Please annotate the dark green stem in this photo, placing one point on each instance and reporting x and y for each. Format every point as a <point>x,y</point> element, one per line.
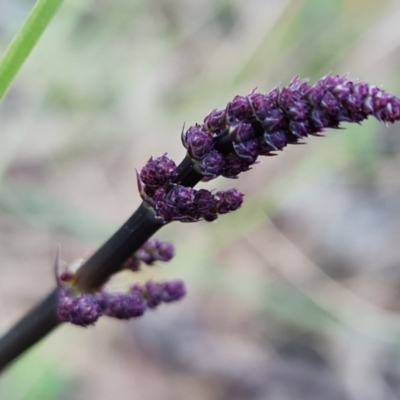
<point>93,273</point>
<point>29,330</point>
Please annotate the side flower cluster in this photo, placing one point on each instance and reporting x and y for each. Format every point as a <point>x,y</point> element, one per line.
<point>85,309</point>
<point>174,202</point>
<point>152,251</point>
<point>230,140</point>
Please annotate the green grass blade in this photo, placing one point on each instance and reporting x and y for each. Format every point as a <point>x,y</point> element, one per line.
<point>25,40</point>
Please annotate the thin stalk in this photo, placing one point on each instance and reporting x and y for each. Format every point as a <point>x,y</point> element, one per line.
<point>93,273</point>
<point>25,40</point>
<point>30,329</point>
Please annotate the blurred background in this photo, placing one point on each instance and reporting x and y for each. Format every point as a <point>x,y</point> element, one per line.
<point>295,296</point>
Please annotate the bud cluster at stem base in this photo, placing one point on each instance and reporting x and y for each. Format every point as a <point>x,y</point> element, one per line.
<point>85,309</point>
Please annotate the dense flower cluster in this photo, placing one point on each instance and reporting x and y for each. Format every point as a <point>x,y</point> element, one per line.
<point>156,293</point>
<point>152,251</point>
<point>174,202</point>
<point>185,204</point>
<point>260,124</point>
<point>80,310</point>
<point>86,309</point>
<point>227,143</point>
<point>158,173</point>
<point>254,125</point>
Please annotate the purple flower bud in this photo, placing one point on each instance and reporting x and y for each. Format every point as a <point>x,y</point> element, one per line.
<point>158,172</point>
<point>181,197</point>
<point>299,129</point>
<point>234,165</point>
<point>274,120</point>
<point>330,104</point>
<point>212,164</point>
<point>173,291</point>
<point>123,306</point>
<point>316,94</point>
<point>321,120</point>
<point>300,86</point>
<point>261,105</point>
<point>197,141</point>
<point>248,151</point>
<point>82,310</point>
<point>176,204</point>
<point>215,121</point>
<point>241,132</point>
<point>153,294</point>
<point>204,202</point>
<point>239,109</point>
<point>273,142</point>
<point>166,292</point>
<point>186,205</point>
<point>228,201</point>
<point>158,194</point>
<point>298,111</point>
<point>156,250</point>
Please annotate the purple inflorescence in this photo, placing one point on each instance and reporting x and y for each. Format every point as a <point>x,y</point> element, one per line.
<point>205,203</point>
<point>173,291</point>
<point>198,141</point>
<point>86,309</point>
<point>156,250</point>
<point>82,310</point>
<point>234,165</point>
<point>162,292</point>
<point>189,205</point>
<point>239,109</point>
<point>260,124</point>
<point>226,144</point>
<point>176,204</point>
<point>122,305</point>
<point>153,250</point>
<point>212,164</point>
<point>158,172</point>
<point>228,201</point>
<point>216,121</point>
<point>231,140</point>
<point>153,294</point>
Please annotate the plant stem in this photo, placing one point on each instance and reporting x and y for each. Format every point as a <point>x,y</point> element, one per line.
<point>30,329</point>
<point>105,262</point>
<point>94,272</point>
<point>26,39</point>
